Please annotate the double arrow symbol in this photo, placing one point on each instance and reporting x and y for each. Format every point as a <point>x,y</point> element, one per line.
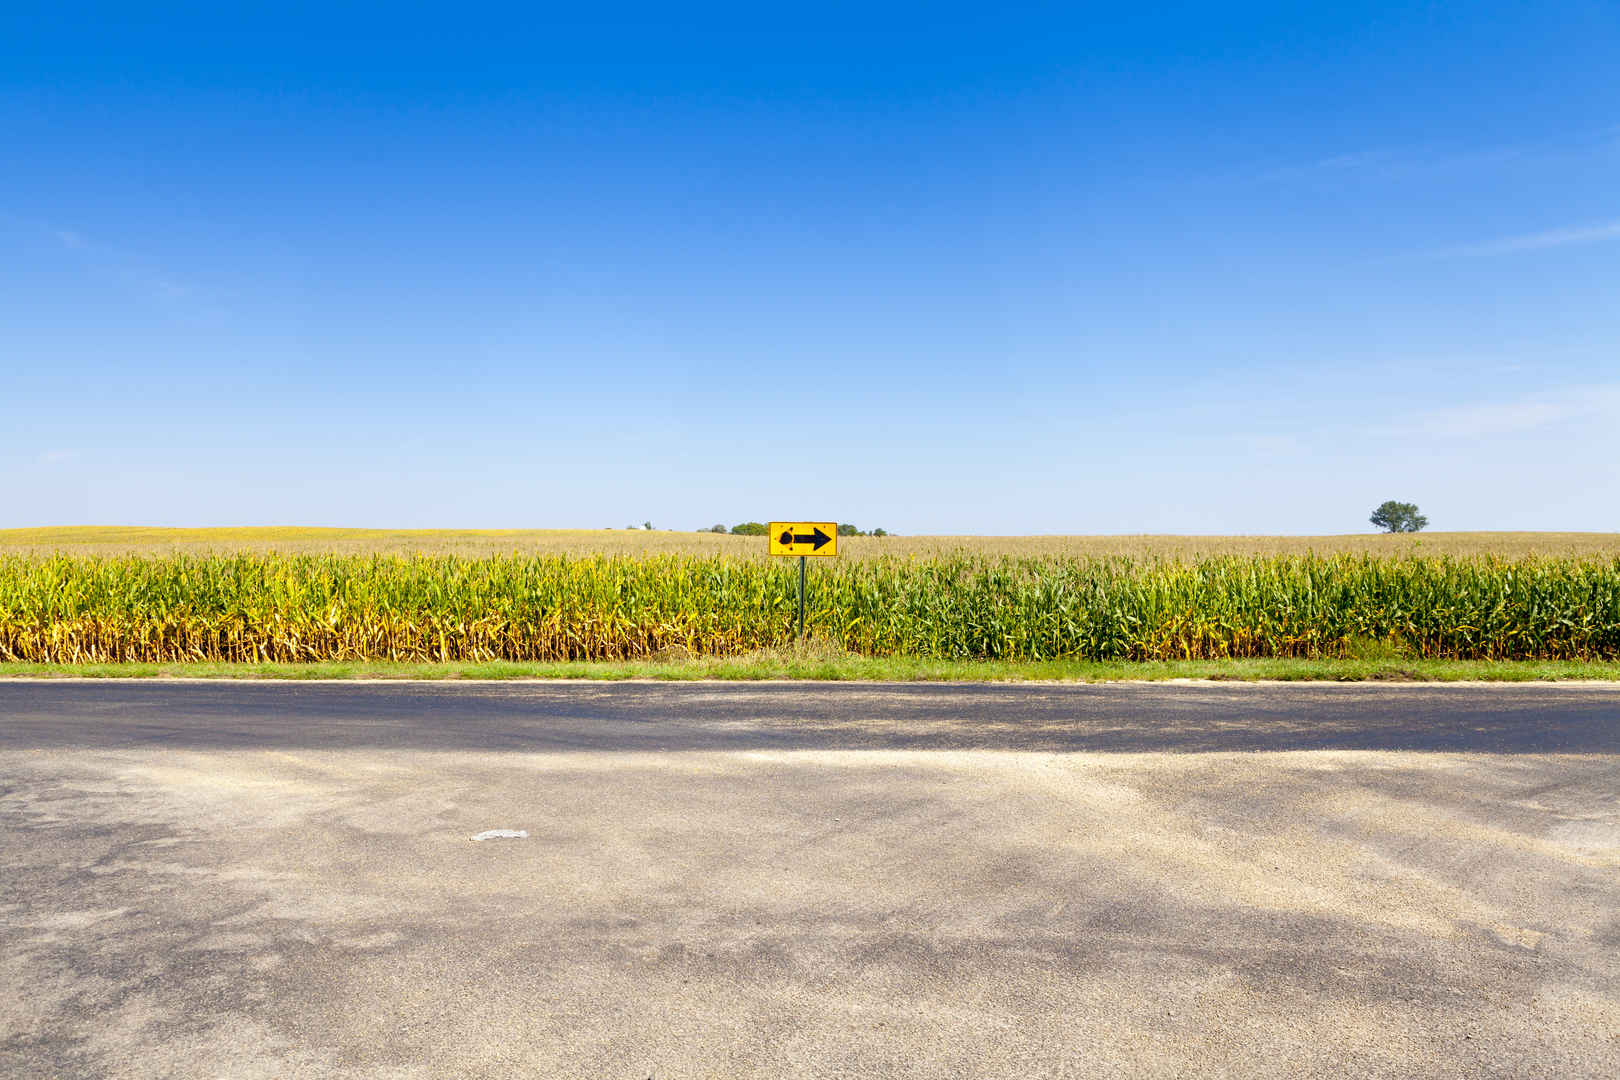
<point>814,539</point>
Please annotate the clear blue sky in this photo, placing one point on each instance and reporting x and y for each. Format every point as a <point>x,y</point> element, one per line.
<point>984,268</point>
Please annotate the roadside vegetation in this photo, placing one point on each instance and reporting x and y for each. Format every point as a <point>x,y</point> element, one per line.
<point>684,608</point>
<point>824,664</point>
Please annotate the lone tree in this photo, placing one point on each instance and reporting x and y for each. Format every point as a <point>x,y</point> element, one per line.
<point>1398,517</point>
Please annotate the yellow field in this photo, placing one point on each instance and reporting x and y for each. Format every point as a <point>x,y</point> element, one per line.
<point>98,540</point>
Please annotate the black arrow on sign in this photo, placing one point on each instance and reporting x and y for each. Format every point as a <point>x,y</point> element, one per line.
<point>815,539</point>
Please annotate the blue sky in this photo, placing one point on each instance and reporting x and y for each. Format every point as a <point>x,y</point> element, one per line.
<point>1192,268</point>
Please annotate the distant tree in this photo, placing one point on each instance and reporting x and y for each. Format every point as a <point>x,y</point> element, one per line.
<point>846,529</point>
<point>1398,517</point>
<point>748,528</point>
<point>879,532</point>
<point>630,527</point>
<point>717,528</point>
<point>647,525</point>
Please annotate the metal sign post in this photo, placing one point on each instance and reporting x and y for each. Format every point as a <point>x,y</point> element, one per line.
<point>803,539</point>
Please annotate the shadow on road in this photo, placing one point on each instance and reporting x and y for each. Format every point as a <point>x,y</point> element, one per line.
<point>823,716</point>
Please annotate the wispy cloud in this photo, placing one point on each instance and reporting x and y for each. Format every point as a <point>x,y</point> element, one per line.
<point>1338,163</point>
<point>56,457</point>
<point>1269,445</point>
<point>1531,412</point>
<point>1391,164</point>
<point>1538,241</point>
<point>1394,163</point>
<point>135,271</point>
<point>168,288</point>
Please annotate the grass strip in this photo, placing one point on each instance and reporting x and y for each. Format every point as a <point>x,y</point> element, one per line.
<point>786,665</point>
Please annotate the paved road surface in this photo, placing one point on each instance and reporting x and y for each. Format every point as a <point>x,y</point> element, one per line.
<point>277,880</point>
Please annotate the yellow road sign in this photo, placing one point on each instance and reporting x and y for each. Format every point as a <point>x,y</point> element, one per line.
<point>804,538</point>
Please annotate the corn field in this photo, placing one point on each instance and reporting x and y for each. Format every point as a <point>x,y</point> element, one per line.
<point>271,607</point>
<point>149,542</point>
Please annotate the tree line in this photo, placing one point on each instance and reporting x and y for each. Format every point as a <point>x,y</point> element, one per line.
<point>757,528</point>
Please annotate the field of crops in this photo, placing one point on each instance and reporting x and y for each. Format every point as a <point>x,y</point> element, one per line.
<point>350,607</point>
<point>638,543</point>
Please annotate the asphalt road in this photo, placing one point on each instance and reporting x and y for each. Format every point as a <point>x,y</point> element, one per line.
<point>773,880</point>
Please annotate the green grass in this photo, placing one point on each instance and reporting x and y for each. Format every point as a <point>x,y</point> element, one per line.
<point>788,665</point>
